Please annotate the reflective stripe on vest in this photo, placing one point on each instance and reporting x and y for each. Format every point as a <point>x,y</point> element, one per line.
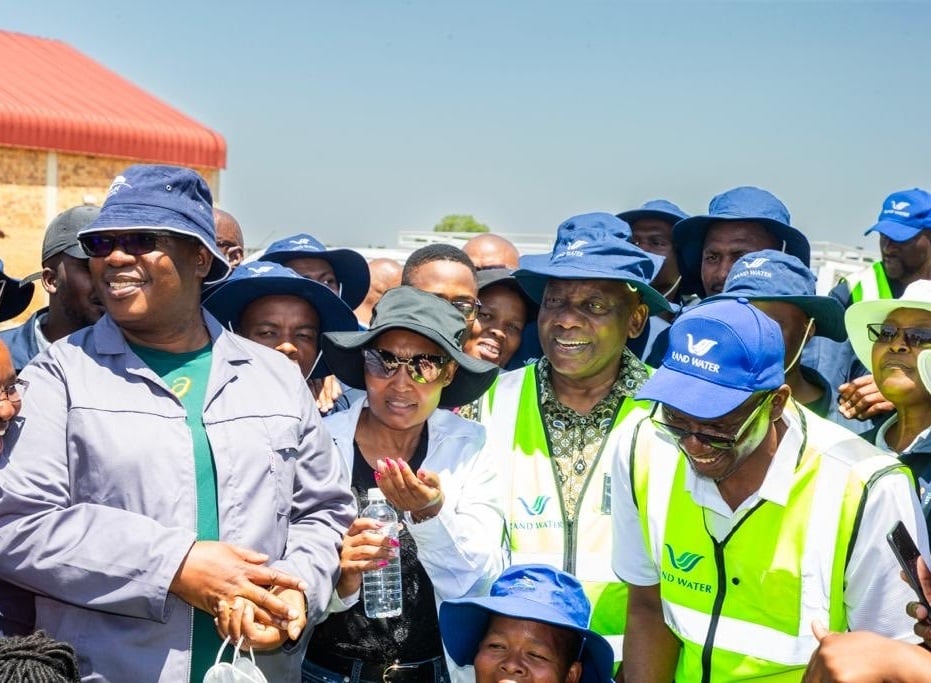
<point>536,522</point>
<point>869,284</point>
<point>743,607</point>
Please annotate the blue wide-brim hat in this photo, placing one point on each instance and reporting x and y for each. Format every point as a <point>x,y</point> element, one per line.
<point>770,275</point>
<point>720,353</point>
<point>16,294</point>
<point>168,198</point>
<point>660,209</point>
<point>257,279</point>
<point>740,204</point>
<point>904,215</point>
<point>350,267</point>
<point>536,592</point>
<point>590,247</point>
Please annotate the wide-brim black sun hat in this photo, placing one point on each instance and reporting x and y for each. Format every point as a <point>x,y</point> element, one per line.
<point>408,308</point>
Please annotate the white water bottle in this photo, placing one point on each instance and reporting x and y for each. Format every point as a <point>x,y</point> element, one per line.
<point>381,588</point>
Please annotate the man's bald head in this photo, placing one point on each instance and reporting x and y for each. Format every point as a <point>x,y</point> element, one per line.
<point>385,274</point>
<point>491,251</point>
<point>229,236</point>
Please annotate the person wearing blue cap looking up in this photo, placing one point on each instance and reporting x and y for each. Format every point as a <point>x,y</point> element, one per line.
<point>904,227</point>
<point>171,483</point>
<point>534,627</point>
<point>741,518</point>
<point>784,289</point>
<point>553,423</point>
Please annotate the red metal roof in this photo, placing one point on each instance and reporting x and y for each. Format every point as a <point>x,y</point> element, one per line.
<point>53,97</point>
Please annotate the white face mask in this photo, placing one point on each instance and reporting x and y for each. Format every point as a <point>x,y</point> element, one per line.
<point>241,670</point>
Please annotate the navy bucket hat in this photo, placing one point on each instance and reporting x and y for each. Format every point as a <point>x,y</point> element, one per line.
<point>660,209</point>
<point>423,313</point>
<point>770,275</point>
<point>168,198</point>
<point>592,247</point>
<point>502,277</point>
<point>904,215</point>
<point>739,204</point>
<point>536,592</point>
<point>350,267</point>
<point>15,294</point>
<point>720,353</point>
<point>257,279</point>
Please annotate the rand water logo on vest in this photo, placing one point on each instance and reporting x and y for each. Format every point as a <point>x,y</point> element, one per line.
<point>684,562</point>
<point>536,508</point>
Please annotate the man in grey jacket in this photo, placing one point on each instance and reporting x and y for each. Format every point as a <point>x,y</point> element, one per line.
<point>170,478</point>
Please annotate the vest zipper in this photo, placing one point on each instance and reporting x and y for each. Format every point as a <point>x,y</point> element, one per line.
<point>708,647</point>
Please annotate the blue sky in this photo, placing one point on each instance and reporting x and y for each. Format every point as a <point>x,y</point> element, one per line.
<point>353,119</point>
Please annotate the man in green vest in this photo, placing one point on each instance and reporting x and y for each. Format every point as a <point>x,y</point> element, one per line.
<point>554,420</point>
<point>904,227</point>
<point>740,517</point>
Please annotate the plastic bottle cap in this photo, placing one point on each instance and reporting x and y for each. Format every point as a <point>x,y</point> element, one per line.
<point>376,494</point>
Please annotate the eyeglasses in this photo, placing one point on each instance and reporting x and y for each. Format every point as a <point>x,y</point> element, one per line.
<point>885,333</point>
<point>423,368</point>
<point>715,441</point>
<point>14,392</point>
<point>135,243</point>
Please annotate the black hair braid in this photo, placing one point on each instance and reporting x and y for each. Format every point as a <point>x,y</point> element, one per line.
<point>36,658</point>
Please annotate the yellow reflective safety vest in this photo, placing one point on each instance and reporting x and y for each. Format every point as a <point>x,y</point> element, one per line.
<point>743,606</point>
<point>869,284</point>
<point>536,522</point>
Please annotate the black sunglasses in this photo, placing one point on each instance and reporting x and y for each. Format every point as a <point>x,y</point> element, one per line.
<point>136,243</point>
<point>886,333</point>
<point>715,441</point>
<point>423,368</point>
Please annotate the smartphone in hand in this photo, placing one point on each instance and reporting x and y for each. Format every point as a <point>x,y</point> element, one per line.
<point>906,552</point>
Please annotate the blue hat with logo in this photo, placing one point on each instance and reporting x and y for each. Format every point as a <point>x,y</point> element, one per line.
<point>720,353</point>
<point>168,198</point>
<point>15,294</point>
<point>660,209</point>
<point>770,275</point>
<point>252,281</point>
<point>904,215</point>
<point>536,592</point>
<point>740,204</point>
<point>350,267</point>
<point>591,247</point>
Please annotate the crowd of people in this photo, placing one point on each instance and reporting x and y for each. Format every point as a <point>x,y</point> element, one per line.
<point>654,453</point>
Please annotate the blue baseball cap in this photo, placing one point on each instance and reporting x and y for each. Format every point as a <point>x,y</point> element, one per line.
<point>770,275</point>
<point>660,209</point>
<point>15,294</point>
<point>739,204</point>
<point>904,215</point>
<point>168,198</point>
<point>350,267</point>
<point>720,353</point>
<point>536,592</point>
<point>254,280</point>
<point>592,247</point>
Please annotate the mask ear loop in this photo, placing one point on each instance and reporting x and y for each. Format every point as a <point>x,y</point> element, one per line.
<point>672,287</point>
<point>801,347</point>
<point>314,366</point>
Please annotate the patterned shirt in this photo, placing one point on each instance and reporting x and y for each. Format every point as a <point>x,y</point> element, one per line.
<point>575,439</point>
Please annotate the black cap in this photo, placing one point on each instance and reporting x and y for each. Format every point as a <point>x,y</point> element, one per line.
<point>61,235</point>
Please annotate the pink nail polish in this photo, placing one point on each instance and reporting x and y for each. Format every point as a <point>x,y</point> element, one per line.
<point>377,476</point>
<point>382,564</point>
<point>394,542</point>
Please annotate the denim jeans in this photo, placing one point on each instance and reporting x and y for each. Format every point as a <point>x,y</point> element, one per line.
<point>312,673</point>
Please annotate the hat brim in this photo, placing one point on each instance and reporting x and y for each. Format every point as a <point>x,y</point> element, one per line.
<point>16,296</point>
<point>463,623</point>
<point>827,312</point>
<point>536,270</point>
<point>691,395</point>
<point>639,214</point>
<point>228,301</point>
<point>342,354</point>
<point>350,268</point>
<point>504,278</point>
<point>894,230</point>
<point>132,217</point>
<point>862,313</point>
<point>924,368</point>
<point>688,237</point>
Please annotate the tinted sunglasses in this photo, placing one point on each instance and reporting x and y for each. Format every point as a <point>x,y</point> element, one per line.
<point>886,333</point>
<point>423,368</point>
<point>715,441</point>
<point>136,243</point>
